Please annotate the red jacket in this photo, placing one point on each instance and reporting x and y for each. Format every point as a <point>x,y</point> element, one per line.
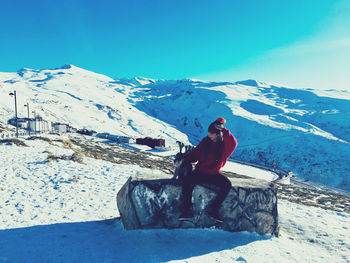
<point>209,164</point>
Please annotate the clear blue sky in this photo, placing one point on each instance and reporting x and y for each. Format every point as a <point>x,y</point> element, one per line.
<point>293,42</point>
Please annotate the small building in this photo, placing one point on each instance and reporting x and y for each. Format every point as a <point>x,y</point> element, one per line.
<point>119,139</point>
<point>61,127</point>
<point>151,142</point>
<point>33,126</point>
<point>21,122</point>
<point>37,124</point>
<point>124,139</point>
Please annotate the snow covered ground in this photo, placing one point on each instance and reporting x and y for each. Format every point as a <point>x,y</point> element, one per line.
<point>249,171</point>
<point>65,211</point>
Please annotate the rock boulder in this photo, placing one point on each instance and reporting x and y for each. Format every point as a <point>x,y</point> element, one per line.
<point>146,202</point>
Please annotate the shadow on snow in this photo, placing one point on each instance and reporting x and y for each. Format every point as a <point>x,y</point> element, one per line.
<point>107,241</point>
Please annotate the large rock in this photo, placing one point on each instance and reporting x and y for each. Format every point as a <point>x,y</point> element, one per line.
<point>146,203</point>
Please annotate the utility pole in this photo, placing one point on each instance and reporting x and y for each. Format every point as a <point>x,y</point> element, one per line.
<point>38,118</point>
<point>34,122</point>
<point>27,105</point>
<point>39,122</point>
<point>14,94</point>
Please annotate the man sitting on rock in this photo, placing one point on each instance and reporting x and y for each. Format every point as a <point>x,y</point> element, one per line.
<point>211,153</point>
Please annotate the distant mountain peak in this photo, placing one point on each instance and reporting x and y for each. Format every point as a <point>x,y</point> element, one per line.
<point>23,70</point>
<point>143,80</point>
<point>66,66</point>
<point>135,81</point>
<point>250,82</point>
<point>70,66</point>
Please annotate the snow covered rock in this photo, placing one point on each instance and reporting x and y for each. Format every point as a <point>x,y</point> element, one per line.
<point>154,202</point>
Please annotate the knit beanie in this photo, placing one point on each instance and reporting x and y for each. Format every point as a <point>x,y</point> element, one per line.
<point>217,125</point>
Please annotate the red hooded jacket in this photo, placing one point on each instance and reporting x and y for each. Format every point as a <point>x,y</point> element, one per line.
<point>209,164</point>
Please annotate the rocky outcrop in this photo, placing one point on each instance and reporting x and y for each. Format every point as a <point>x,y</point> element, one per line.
<point>146,203</point>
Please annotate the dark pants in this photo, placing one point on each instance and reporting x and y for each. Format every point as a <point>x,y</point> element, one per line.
<point>219,180</point>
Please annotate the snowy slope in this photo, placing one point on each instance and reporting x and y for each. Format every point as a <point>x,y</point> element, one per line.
<point>81,98</point>
<point>306,131</point>
<point>64,211</point>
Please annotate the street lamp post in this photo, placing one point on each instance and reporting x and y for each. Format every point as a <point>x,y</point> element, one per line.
<point>40,124</point>
<point>34,121</point>
<point>14,94</point>
<point>27,105</point>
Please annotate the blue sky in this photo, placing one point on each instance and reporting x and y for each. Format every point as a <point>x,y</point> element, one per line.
<point>299,43</point>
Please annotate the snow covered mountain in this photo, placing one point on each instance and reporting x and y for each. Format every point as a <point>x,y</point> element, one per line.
<point>305,131</point>
<point>81,98</point>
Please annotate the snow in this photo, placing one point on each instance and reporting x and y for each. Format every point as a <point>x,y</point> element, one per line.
<point>293,129</point>
<point>64,211</point>
<point>83,99</point>
<point>305,131</point>
<point>250,171</point>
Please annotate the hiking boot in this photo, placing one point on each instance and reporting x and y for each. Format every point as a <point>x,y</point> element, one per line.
<point>215,214</point>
